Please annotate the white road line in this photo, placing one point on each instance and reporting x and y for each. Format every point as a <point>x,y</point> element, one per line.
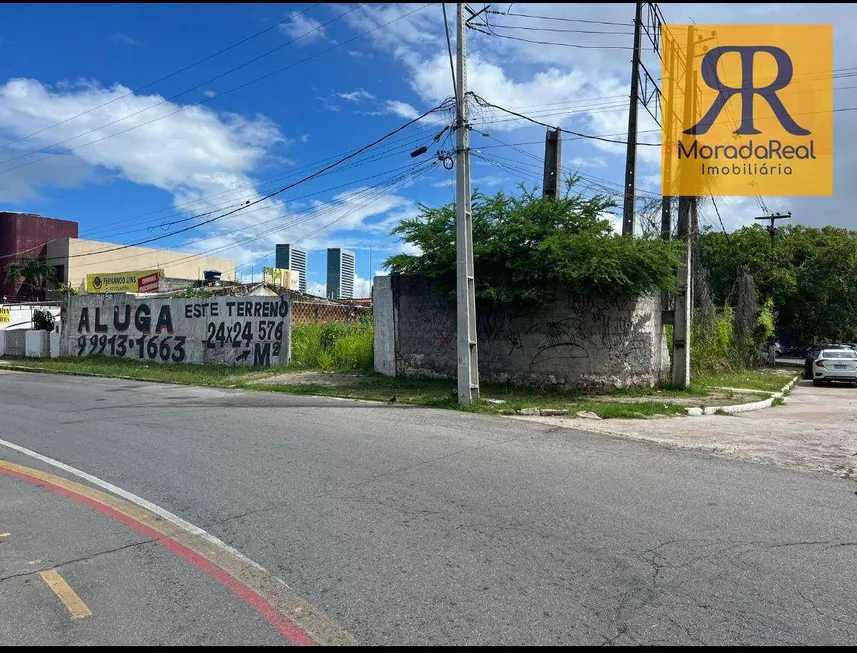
<point>133,498</point>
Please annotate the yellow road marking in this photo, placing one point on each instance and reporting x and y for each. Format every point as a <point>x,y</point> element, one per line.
<point>5,534</point>
<point>68,596</point>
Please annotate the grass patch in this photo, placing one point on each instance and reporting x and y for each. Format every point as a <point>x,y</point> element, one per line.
<point>418,392</point>
<point>217,376</point>
<point>333,346</point>
<point>441,394</point>
<point>349,352</point>
<point>749,379</point>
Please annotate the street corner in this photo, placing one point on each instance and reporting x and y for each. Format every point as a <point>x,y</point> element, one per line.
<point>81,567</point>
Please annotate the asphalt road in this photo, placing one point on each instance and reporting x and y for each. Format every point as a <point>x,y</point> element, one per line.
<point>411,526</point>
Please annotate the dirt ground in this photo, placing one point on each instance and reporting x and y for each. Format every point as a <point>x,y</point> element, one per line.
<point>815,430</point>
<point>313,378</point>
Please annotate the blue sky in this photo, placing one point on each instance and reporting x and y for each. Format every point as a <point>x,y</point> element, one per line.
<point>91,131</point>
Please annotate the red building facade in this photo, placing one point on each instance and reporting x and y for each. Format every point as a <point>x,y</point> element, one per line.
<point>27,234</point>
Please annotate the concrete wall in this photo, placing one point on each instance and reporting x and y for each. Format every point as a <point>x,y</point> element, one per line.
<point>176,265</point>
<point>20,316</point>
<point>573,342</point>
<point>37,344</point>
<point>248,331</point>
<point>15,343</point>
<point>385,326</point>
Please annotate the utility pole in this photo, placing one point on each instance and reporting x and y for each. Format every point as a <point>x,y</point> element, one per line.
<point>631,151</point>
<point>683,301</point>
<point>553,163</point>
<point>468,356</point>
<point>773,218</point>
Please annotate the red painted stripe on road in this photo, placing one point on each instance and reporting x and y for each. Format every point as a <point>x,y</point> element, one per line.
<point>287,628</point>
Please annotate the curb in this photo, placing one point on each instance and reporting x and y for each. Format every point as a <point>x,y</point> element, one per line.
<point>743,408</point>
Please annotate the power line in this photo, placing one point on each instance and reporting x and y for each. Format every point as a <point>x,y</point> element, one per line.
<point>484,102</point>
<point>449,49</point>
<point>263,198</point>
<point>563,45</point>
<point>561,19</point>
<point>165,77</point>
<point>165,223</point>
<point>560,30</point>
<point>316,212</point>
<point>232,90</point>
<point>372,193</point>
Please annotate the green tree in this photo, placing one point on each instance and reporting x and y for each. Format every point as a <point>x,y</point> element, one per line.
<point>527,249</point>
<point>810,273</point>
<point>35,273</point>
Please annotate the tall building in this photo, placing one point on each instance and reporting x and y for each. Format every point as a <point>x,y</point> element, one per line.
<point>75,260</point>
<point>340,273</point>
<point>28,234</point>
<point>289,257</point>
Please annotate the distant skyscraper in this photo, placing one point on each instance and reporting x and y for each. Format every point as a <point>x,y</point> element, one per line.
<point>340,273</point>
<point>290,257</point>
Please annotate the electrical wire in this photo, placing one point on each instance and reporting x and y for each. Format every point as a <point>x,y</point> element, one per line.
<point>561,19</point>
<point>265,197</point>
<point>449,49</point>
<point>563,45</point>
<point>484,102</point>
<point>254,189</point>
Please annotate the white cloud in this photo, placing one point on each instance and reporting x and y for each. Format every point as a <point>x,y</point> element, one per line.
<point>209,94</point>
<point>305,29</point>
<point>590,162</point>
<point>317,289</point>
<point>362,287</point>
<point>357,95</point>
<point>402,109</point>
<point>303,138</point>
<point>119,37</point>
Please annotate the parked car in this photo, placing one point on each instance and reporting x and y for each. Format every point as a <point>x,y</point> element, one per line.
<point>812,353</point>
<point>835,365</point>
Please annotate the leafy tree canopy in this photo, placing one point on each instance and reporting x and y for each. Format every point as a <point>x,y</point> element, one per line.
<point>528,249</point>
<point>809,272</point>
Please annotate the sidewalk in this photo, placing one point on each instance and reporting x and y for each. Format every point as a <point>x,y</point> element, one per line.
<point>815,430</point>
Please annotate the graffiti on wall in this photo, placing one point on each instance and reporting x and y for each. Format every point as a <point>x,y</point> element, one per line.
<point>253,332</point>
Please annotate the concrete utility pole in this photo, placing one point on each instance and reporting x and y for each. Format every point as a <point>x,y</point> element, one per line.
<point>773,218</point>
<point>683,301</point>
<point>631,150</point>
<point>553,164</point>
<point>468,355</point>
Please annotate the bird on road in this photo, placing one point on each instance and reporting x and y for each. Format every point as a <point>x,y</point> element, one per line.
<point>392,399</point>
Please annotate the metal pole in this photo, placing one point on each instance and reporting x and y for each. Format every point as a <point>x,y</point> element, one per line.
<point>468,359</point>
<point>631,151</point>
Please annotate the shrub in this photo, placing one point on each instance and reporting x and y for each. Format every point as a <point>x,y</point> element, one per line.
<point>43,320</point>
<point>334,346</point>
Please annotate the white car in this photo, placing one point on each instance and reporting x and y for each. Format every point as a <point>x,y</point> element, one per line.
<point>835,365</point>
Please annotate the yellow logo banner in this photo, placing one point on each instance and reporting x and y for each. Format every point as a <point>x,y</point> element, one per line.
<point>747,110</point>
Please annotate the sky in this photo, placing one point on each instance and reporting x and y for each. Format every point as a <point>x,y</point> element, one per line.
<point>225,129</point>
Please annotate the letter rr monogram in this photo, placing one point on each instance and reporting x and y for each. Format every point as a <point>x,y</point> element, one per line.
<point>785,70</point>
